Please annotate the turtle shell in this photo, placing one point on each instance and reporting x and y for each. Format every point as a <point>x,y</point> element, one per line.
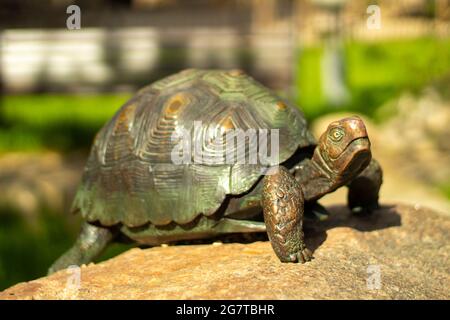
<point>130,177</point>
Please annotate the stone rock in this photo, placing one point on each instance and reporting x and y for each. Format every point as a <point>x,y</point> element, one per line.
<point>419,132</point>
<point>399,252</point>
<point>32,181</point>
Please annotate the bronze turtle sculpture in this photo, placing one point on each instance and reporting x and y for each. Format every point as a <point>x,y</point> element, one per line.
<point>133,189</point>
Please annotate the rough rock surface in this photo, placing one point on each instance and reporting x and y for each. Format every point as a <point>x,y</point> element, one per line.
<point>408,246</point>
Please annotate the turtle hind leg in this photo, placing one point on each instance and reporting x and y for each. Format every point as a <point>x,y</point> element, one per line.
<point>91,241</point>
<point>364,189</point>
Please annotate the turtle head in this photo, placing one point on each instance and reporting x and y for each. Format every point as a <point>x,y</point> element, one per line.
<point>343,150</point>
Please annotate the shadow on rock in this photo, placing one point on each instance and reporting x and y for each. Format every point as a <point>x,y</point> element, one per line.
<point>316,231</point>
<point>341,216</point>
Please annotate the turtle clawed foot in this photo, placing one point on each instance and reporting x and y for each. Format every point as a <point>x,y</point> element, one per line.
<point>301,256</point>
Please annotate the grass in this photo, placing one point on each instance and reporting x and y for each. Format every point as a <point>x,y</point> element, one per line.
<point>62,122</point>
<point>445,189</point>
<point>28,246</point>
<point>376,73</point>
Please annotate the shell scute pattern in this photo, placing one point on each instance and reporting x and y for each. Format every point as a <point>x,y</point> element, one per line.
<point>130,177</point>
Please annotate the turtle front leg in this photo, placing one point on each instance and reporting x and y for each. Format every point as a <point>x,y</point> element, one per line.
<point>283,207</point>
<point>364,189</point>
<point>90,243</point>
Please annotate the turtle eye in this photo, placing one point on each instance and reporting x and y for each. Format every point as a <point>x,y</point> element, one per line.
<point>336,134</point>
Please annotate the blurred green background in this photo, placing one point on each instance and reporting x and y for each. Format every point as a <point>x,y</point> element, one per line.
<point>59,120</point>
<point>377,73</point>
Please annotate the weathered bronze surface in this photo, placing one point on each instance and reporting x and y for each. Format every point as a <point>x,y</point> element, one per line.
<point>283,207</point>
<point>132,187</point>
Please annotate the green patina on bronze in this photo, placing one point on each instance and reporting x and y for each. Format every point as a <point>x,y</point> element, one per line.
<point>132,186</point>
